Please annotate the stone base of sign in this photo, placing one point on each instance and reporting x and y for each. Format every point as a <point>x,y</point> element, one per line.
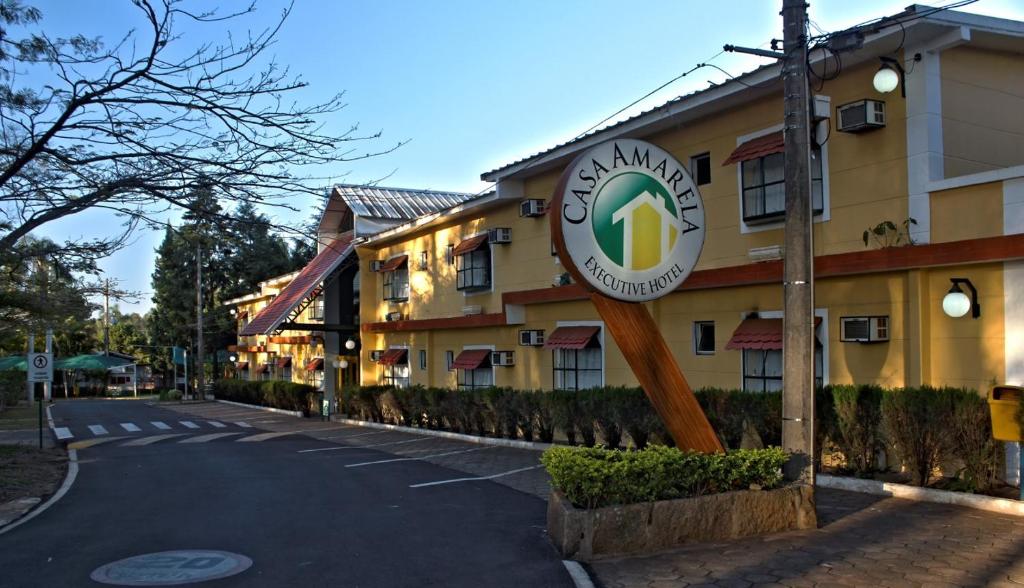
<point>585,535</point>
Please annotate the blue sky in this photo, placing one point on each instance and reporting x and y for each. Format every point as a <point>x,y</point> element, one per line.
<point>473,85</point>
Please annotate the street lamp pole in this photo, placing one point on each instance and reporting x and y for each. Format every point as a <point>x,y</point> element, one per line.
<point>200,388</point>
<point>798,272</point>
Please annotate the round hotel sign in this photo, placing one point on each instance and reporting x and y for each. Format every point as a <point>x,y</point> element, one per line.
<point>628,220</point>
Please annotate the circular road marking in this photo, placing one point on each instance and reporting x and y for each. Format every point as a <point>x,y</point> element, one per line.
<point>171,568</point>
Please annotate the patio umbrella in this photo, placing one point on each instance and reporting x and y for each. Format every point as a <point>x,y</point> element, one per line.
<point>91,362</point>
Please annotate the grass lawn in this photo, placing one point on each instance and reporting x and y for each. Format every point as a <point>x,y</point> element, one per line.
<point>22,416</point>
<point>29,471</point>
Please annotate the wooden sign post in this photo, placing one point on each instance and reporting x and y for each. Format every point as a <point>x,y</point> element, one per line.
<point>628,223</point>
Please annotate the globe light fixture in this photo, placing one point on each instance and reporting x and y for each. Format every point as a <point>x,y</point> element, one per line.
<point>957,304</point>
<point>886,79</point>
<point>233,311</point>
<point>350,344</point>
<point>233,358</point>
<point>343,364</point>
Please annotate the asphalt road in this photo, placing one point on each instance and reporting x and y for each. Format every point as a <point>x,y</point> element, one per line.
<point>304,522</point>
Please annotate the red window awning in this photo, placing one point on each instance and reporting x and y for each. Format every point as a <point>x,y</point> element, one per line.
<point>315,364</point>
<point>470,245</point>
<point>395,357</point>
<point>759,334</point>
<point>759,147</point>
<point>470,359</point>
<point>394,263</point>
<point>243,315</point>
<point>302,287</point>
<point>264,368</point>
<point>284,362</point>
<point>242,365</point>
<point>571,337</point>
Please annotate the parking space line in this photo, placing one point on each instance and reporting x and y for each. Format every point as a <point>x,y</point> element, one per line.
<point>160,425</point>
<point>98,429</point>
<point>189,424</point>
<point>365,446</point>
<point>63,433</point>
<point>481,478</point>
<point>217,424</point>
<point>354,436</point>
<point>205,438</point>
<point>264,436</point>
<point>130,427</point>
<point>244,425</point>
<point>420,458</point>
<point>150,440</point>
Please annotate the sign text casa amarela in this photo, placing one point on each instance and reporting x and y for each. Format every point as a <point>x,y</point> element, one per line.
<point>628,223</point>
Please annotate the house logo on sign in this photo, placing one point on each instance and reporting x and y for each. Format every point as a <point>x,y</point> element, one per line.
<point>631,220</point>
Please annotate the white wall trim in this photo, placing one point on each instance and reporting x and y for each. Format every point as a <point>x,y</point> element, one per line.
<point>924,137</point>
<point>1013,206</point>
<point>985,177</point>
<point>826,205</point>
<point>600,338</point>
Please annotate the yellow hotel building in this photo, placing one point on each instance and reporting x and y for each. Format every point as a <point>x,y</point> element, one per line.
<point>472,295</point>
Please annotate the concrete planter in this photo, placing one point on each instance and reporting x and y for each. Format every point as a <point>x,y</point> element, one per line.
<point>651,526</point>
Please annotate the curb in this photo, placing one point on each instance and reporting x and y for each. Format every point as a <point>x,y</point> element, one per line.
<point>294,413</point>
<point>449,435</point>
<point>69,479</point>
<point>1003,506</point>
<point>578,574</point>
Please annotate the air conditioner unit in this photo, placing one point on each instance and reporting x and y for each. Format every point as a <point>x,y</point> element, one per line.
<point>860,116</point>
<point>500,235</point>
<point>505,358</point>
<point>394,316</point>
<point>472,309</point>
<point>375,265</point>
<point>376,354</point>
<point>533,207</point>
<point>531,338</point>
<point>864,329</point>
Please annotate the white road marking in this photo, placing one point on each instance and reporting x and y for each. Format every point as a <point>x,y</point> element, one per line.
<point>244,425</point>
<point>491,477</point>
<point>130,427</point>
<point>368,463</point>
<point>63,433</point>
<point>189,424</point>
<point>217,424</point>
<point>578,574</point>
<point>98,429</point>
<point>365,446</point>
<point>205,438</point>
<point>150,440</point>
<point>264,436</point>
<point>354,436</point>
<point>270,421</point>
<point>160,425</point>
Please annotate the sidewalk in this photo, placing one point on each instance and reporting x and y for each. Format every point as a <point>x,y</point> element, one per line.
<point>864,540</point>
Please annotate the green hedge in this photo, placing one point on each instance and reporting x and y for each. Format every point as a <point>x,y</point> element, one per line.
<point>272,393</point>
<point>593,477</point>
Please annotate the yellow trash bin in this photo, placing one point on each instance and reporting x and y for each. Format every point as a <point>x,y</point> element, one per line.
<point>1003,402</point>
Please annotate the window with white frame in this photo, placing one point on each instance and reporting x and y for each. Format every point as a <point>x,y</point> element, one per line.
<point>578,369</point>
<point>762,369</point>
<point>704,337</point>
<point>423,359</point>
<point>316,309</point>
<point>396,375</point>
<point>477,378</point>
<point>764,186</point>
<point>449,359</point>
<point>396,283</point>
<point>700,169</point>
<point>473,269</point>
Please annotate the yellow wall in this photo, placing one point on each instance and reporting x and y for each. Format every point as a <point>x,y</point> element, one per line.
<point>967,213</point>
<point>982,102</point>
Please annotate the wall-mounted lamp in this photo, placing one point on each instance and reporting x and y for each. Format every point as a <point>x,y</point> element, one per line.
<point>350,344</point>
<point>891,74</point>
<point>956,304</point>
<point>233,311</point>
<point>341,363</point>
<point>233,358</point>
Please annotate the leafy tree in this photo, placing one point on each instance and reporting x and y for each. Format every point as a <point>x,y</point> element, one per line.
<point>141,125</point>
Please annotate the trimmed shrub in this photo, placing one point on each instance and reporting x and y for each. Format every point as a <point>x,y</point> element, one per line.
<point>170,395</point>
<point>273,393</point>
<point>858,414</point>
<point>604,404</point>
<point>917,422</point>
<point>593,478</point>
<point>12,388</point>
<point>544,415</point>
<point>971,440</point>
<point>637,417</point>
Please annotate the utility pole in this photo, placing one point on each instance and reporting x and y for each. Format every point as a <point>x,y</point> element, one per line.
<point>200,388</point>
<point>106,316</point>
<point>798,272</point>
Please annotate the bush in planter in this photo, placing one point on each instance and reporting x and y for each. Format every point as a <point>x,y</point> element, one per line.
<point>858,415</point>
<point>593,478</point>
<point>971,440</point>
<point>917,422</point>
